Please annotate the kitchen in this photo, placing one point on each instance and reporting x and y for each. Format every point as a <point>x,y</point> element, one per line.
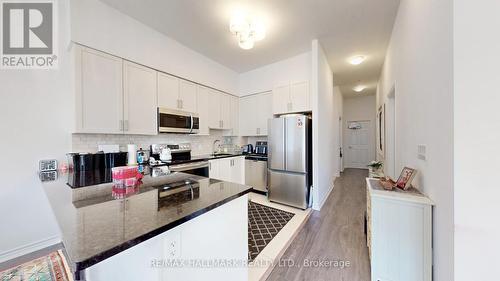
<point>169,97</point>
<point>159,106</point>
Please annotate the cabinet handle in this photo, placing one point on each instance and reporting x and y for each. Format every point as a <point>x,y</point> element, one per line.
<point>125,125</point>
<point>120,125</point>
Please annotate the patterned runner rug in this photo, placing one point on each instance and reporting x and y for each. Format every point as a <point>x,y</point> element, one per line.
<point>52,267</point>
<point>263,224</point>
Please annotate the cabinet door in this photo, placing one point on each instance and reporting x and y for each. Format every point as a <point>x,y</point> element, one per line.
<point>139,99</point>
<point>187,96</point>
<point>299,97</point>
<point>235,112</point>
<point>225,111</point>
<point>265,112</point>
<point>247,116</point>
<point>203,109</point>
<point>281,99</point>
<point>213,169</point>
<point>214,110</point>
<point>225,169</point>
<point>99,92</point>
<point>238,170</point>
<point>168,91</point>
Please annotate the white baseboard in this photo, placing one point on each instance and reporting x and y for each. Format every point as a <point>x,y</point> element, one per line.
<point>318,206</point>
<point>29,248</point>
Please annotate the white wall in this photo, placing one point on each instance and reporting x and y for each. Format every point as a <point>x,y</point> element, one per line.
<point>36,110</point>
<point>477,139</point>
<point>99,26</point>
<point>294,69</point>
<point>419,63</point>
<point>361,108</point>
<point>325,126</point>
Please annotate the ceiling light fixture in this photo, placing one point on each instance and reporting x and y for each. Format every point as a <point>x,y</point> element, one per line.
<point>248,30</point>
<point>357,60</point>
<point>359,88</point>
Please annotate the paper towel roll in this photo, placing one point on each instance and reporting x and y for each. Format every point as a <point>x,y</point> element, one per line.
<point>132,157</point>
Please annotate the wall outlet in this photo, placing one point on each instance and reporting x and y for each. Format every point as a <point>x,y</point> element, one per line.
<point>172,246</point>
<point>48,176</point>
<point>422,151</point>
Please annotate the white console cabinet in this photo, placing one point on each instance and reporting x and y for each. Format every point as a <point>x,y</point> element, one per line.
<point>399,234</point>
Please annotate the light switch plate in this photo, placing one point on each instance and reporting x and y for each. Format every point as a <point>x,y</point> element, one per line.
<point>47,165</point>
<point>422,151</point>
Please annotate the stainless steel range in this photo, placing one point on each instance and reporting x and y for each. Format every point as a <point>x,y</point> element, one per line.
<point>181,161</point>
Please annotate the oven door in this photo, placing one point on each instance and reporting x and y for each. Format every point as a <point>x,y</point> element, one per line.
<point>174,121</point>
<point>199,168</point>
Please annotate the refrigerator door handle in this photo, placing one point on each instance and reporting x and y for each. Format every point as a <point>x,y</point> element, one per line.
<point>284,145</point>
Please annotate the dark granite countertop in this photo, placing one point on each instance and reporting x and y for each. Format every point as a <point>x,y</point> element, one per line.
<point>100,221</point>
<point>202,158</point>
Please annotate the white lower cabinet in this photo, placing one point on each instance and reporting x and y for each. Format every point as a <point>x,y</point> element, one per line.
<point>230,169</point>
<point>399,234</point>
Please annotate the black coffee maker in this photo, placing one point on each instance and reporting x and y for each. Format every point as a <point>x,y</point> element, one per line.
<point>247,149</point>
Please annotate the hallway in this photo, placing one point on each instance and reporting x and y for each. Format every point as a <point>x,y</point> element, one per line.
<point>336,233</point>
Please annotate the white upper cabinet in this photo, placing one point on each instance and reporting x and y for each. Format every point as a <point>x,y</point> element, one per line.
<point>213,106</point>
<point>187,96</point>
<point>281,99</point>
<point>140,116</point>
<point>300,99</point>
<point>255,110</point>
<point>168,91</point>
<point>265,112</point>
<point>247,114</point>
<point>175,93</point>
<point>204,99</point>
<point>99,93</point>
<point>293,97</point>
<point>235,112</point>
<point>220,110</point>
<point>225,111</point>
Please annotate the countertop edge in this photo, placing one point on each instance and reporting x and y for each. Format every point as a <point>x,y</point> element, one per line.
<point>81,265</point>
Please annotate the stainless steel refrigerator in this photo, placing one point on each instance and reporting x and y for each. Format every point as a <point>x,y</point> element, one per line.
<point>290,160</point>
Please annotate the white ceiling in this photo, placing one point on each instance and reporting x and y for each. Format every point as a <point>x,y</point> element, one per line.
<point>344,28</point>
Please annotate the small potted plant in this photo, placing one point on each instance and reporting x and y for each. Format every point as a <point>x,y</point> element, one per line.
<point>375,166</point>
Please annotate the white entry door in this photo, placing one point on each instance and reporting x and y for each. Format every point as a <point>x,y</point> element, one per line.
<point>358,153</point>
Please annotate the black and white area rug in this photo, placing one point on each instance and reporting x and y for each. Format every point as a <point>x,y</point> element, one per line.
<point>263,224</point>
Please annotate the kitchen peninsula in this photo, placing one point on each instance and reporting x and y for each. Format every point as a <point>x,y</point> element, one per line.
<point>135,233</point>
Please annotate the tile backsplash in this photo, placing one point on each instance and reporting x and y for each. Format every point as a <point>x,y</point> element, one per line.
<point>199,144</point>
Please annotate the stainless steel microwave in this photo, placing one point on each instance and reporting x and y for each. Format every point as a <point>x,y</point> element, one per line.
<point>175,121</point>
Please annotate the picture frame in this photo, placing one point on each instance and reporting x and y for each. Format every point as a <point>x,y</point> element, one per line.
<point>405,178</point>
<point>381,130</point>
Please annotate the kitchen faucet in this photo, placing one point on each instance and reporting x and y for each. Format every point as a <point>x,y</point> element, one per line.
<point>213,146</point>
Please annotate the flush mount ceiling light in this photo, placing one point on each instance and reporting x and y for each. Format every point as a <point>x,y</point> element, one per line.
<point>247,29</point>
<point>357,60</point>
<point>359,88</point>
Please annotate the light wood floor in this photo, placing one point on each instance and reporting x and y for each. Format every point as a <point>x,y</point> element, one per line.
<point>334,233</point>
